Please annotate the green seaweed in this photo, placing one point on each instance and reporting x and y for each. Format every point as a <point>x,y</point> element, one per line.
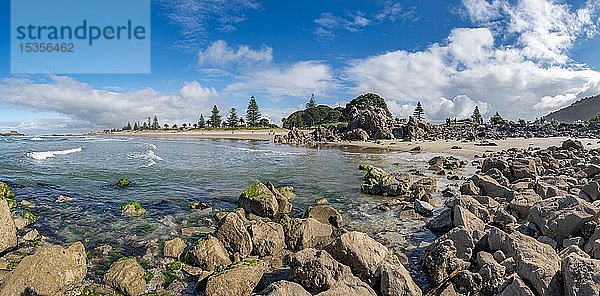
<point>123,182</point>
<point>31,217</point>
<point>175,266</point>
<point>11,203</point>
<point>253,191</point>
<point>136,205</point>
<point>6,192</point>
<point>193,204</point>
<point>148,276</point>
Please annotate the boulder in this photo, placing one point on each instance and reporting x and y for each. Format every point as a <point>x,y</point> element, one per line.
<point>395,279</point>
<point>536,262</point>
<point>523,168</point>
<point>234,235</point>
<point>238,281</point>
<point>259,200</point>
<point>463,242</point>
<point>52,270</point>
<point>558,217</point>
<point>463,217</point>
<point>442,222</point>
<point>127,276</point>
<point>350,285</point>
<point>572,144</point>
<point>380,182</point>
<point>423,208</point>
<point>581,275</point>
<point>360,252</point>
<point>523,202</point>
<point>491,187</point>
<point>316,270</point>
<point>592,190</point>
<point>8,231</point>
<point>307,233</point>
<point>495,163</point>
<point>491,272</point>
<point>284,288</point>
<point>440,261</point>
<point>284,196</point>
<point>210,254</point>
<point>268,238</point>
<point>515,286</point>
<point>174,247</point>
<point>325,214</point>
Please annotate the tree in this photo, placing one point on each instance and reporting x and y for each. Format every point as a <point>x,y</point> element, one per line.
<point>149,123</point>
<point>232,120</point>
<point>135,126</point>
<point>418,114</point>
<point>252,113</point>
<point>242,122</point>
<point>166,126</point>
<point>201,122</point>
<point>155,124</point>
<point>476,117</point>
<point>215,117</point>
<point>128,126</point>
<point>264,122</point>
<point>174,126</point>
<point>312,103</point>
<point>497,119</point>
<point>145,126</point>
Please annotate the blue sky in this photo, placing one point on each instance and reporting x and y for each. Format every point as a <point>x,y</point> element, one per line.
<point>523,58</point>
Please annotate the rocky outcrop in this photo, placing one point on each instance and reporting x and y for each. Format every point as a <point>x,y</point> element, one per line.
<point>380,182</point>
<point>50,271</point>
<point>8,231</point>
<point>127,276</point>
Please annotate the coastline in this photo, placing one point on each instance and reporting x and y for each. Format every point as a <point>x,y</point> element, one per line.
<point>238,134</point>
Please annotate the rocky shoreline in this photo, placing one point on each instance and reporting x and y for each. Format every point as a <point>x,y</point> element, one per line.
<point>527,223</point>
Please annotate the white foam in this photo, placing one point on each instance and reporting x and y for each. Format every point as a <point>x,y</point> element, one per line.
<point>48,154</point>
<point>36,139</point>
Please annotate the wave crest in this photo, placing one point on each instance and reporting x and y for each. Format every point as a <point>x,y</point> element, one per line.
<point>43,155</point>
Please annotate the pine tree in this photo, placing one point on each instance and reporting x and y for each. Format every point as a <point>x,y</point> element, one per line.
<point>145,126</point>
<point>166,126</point>
<point>135,126</point>
<point>242,122</point>
<point>149,123</point>
<point>128,127</point>
<point>496,119</point>
<point>215,117</point>
<point>477,119</point>
<point>155,124</point>
<point>252,113</point>
<point>312,103</point>
<point>232,120</point>
<point>201,122</point>
<point>418,114</point>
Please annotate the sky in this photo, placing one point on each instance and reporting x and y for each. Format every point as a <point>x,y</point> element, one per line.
<point>522,58</point>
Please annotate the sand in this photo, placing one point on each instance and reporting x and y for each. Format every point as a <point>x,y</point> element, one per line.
<point>468,149</point>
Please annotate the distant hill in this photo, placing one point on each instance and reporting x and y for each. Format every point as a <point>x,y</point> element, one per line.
<point>583,109</point>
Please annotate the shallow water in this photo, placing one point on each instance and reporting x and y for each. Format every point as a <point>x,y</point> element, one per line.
<point>167,174</point>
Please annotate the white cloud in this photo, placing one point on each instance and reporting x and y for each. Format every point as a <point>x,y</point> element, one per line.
<point>107,109</point>
<point>328,23</point>
<point>220,55</point>
<point>504,78</point>
<point>300,79</point>
<point>192,17</point>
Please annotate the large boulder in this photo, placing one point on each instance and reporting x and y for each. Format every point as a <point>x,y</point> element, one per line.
<point>316,270</point>
<point>174,247</point>
<point>325,214</point>
<point>560,216</point>
<point>515,286</point>
<point>210,254</point>
<point>284,288</point>
<point>362,253</point>
<point>259,200</point>
<point>523,168</point>
<point>572,144</point>
<point>307,233</point>
<point>350,285</point>
<point>536,262</point>
<point>127,276</point>
<point>581,275</point>
<point>491,187</point>
<point>395,279</point>
<point>380,182</point>
<point>268,238</point>
<point>234,235</point>
<point>592,190</point>
<point>440,261</point>
<point>238,281</point>
<point>8,231</point>
<point>50,271</point>
<point>523,202</point>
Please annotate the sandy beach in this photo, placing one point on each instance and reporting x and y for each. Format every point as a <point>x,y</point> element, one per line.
<point>240,134</point>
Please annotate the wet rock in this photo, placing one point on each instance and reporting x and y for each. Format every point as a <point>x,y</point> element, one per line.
<point>395,279</point>
<point>268,238</point>
<point>380,182</point>
<point>360,252</point>
<point>572,144</point>
<point>239,281</point>
<point>8,231</point>
<point>127,276</point>
<point>559,217</point>
<point>316,270</point>
<point>133,209</point>
<point>307,233</point>
<point>442,222</point>
<point>445,162</point>
<point>259,200</point>
<point>284,288</point>
<point>174,247</point>
<point>63,198</point>
<point>536,262</point>
<point>423,208</point>
<point>591,190</point>
<point>31,235</point>
<point>581,275</point>
<point>52,270</point>
<point>234,235</point>
<point>440,261</point>
<point>469,188</point>
<point>210,254</point>
<point>325,215</point>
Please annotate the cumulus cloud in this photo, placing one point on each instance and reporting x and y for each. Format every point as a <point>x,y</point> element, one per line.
<point>106,109</point>
<point>220,55</point>
<point>523,79</point>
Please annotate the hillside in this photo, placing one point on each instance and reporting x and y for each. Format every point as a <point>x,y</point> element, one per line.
<point>583,109</point>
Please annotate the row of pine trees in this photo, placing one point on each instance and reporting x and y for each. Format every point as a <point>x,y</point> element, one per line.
<point>252,119</point>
